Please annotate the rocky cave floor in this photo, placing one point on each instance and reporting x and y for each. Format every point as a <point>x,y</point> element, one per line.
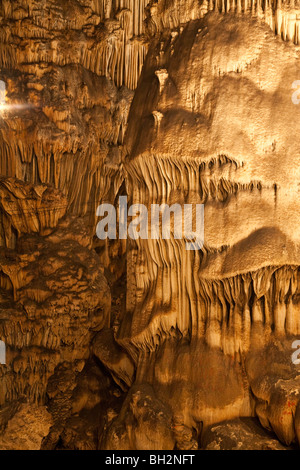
<point>82,399</point>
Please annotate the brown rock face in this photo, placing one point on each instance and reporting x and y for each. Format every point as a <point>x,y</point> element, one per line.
<point>141,343</point>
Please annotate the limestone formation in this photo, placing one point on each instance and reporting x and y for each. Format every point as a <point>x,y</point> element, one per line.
<point>143,344</point>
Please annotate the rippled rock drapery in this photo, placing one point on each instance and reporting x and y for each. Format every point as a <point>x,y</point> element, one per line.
<point>218,87</point>
<point>200,355</point>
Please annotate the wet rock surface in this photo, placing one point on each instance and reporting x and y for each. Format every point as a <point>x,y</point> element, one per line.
<point>243,434</point>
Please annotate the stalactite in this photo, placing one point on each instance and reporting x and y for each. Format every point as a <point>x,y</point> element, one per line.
<point>163,275</point>
<point>118,56</point>
<point>217,310</point>
<point>283,19</point>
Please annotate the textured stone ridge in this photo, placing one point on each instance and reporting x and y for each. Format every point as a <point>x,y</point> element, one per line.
<point>53,298</point>
<point>69,69</point>
<point>244,434</point>
<point>34,423</point>
<point>133,345</point>
<point>28,208</point>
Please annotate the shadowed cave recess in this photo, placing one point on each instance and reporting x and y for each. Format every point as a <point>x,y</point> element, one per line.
<point>123,344</point>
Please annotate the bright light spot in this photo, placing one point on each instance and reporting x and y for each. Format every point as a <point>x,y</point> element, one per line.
<point>4,106</point>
